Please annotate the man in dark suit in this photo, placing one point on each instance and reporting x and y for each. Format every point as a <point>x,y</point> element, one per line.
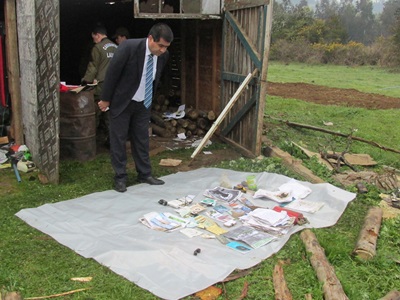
<point>124,93</point>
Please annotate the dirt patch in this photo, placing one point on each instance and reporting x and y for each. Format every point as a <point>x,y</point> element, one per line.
<point>332,96</point>
<point>159,144</point>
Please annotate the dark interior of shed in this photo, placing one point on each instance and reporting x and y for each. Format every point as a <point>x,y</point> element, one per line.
<point>194,63</point>
<point>77,19</point>
<point>194,66</point>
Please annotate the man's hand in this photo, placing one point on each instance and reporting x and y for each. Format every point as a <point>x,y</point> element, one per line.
<point>104,105</point>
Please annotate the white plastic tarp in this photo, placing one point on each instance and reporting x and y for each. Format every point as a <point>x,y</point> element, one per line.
<point>105,226</point>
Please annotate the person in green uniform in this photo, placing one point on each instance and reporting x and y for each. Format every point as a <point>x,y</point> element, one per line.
<point>100,57</point>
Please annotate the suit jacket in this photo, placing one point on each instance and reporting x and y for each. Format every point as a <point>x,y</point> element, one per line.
<point>125,72</point>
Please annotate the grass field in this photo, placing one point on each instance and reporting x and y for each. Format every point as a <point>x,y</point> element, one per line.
<point>35,265</point>
<point>366,79</point>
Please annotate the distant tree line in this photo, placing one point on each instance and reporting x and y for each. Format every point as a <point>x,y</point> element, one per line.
<point>345,32</point>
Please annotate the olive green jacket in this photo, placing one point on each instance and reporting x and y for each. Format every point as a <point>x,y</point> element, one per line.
<point>100,57</point>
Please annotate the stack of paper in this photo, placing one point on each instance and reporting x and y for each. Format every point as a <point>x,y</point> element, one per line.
<point>268,220</point>
<point>290,191</point>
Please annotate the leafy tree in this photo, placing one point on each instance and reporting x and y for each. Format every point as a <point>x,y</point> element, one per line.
<point>288,20</point>
<point>326,9</point>
<point>365,22</point>
<point>388,17</point>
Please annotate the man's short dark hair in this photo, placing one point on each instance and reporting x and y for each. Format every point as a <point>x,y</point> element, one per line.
<point>99,28</point>
<point>161,30</point>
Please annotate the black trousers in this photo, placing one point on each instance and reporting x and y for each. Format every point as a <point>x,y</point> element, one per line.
<point>133,125</point>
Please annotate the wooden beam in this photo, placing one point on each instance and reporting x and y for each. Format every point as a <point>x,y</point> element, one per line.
<point>290,162</point>
<point>13,71</point>
<point>282,291</point>
<point>366,244</point>
<point>326,274</point>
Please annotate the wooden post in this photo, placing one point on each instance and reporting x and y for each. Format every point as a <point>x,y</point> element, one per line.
<point>11,296</point>
<point>366,244</point>
<point>332,287</point>
<point>281,290</point>
<point>13,70</point>
<point>393,295</point>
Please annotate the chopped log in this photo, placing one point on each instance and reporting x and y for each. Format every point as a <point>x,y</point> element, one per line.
<point>188,133</point>
<point>308,296</point>
<point>202,123</point>
<point>289,161</point>
<point>332,287</point>
<point>168,125</point>
<point>393,295</point>
<point>172,129</point>
<point>191,126</point>
<point>200,132</point>
<point>183,123</point>
<point>193,114</point>
<point>366,244</point>
<point>180,130</point>
<point>160,131</point>
<point>156,107</point>
<point>174,122</point>
<point>211,115</point>
<point>156,119</point>
<point>281,290</point>
<point>11,296</point>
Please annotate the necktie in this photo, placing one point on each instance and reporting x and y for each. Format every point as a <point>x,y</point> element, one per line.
<point>148,95</point>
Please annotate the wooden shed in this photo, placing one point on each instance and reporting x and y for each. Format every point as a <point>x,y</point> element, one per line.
<point>218,44</point>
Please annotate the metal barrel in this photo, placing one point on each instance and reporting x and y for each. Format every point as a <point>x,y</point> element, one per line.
<point>77,126</point>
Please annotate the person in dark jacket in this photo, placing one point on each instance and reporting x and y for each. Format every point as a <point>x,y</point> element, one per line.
<point>128,98</point>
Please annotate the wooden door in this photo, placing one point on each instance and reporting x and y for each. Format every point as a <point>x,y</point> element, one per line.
<point>245,48</point>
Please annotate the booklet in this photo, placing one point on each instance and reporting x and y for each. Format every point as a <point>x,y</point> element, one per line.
<point>242,248</point>
<point>250,236</point>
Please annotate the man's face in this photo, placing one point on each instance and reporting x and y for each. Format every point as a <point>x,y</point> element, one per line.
<point>120,39</point>
<point>96,37</point>
<point>158,48</point>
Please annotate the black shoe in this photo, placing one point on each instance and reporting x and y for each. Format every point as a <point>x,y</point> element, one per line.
<point>120,186</point>
<point>151,180</point>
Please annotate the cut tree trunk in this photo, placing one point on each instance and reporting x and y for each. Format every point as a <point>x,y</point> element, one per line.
<point>393,295</point>
<point>281,290</point>
<point>366,244</point>
<point>163,132</point>
<point>332,287</point>
<point>158,120</point>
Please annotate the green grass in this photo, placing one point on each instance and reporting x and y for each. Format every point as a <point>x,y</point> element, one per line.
<point>366,79</point>
<point>36,265</point>
<point>377,126</point>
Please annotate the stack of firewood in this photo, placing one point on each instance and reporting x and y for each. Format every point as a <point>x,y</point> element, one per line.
<point>195,122</point>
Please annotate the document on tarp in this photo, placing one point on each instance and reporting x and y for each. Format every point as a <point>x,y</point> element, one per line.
<point>250,236</point>
<point>224,194</point>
